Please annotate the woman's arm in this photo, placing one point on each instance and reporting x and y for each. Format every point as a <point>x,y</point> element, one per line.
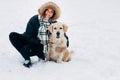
<point>31,32</point>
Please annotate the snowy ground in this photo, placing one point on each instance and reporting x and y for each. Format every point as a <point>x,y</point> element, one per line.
<point>94,33</point>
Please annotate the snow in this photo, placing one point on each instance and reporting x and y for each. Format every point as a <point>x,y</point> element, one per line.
<point>94,33</point>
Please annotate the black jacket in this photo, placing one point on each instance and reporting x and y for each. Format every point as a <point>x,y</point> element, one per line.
<point>32,30</point>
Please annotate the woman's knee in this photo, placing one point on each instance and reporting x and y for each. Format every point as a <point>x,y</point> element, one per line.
<point>14,38</point>
<point>12,35</point>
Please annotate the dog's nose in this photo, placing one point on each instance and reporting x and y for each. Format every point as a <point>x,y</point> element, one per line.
<point>58,34</point>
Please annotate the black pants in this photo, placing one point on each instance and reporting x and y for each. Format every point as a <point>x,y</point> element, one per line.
<point>25,48</point>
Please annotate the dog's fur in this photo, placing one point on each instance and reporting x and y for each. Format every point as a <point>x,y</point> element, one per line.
<point>57,48</point>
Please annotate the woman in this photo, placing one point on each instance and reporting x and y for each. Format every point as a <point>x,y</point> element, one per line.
<point>31,42</point>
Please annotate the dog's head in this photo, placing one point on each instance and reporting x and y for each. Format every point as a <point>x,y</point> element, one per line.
<point>58,29</point>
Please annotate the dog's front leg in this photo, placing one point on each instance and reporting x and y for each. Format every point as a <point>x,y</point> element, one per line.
<point>47,57</point>
<point>59,59</point>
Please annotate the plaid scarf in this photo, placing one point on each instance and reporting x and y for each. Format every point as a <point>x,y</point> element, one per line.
<point>43,33</point>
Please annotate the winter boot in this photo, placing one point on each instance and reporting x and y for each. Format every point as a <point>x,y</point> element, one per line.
<point>27,63</point>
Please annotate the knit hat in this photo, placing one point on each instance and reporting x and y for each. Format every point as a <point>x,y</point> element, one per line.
<point>51,5</point>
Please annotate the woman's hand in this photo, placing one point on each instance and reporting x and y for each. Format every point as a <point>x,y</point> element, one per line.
<point>41,42</point>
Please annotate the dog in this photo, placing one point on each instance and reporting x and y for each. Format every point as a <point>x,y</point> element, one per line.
<point>57,48</point>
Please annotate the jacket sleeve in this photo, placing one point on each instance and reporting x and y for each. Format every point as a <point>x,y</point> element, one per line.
<point>67,40</point>
<point>30,32</point>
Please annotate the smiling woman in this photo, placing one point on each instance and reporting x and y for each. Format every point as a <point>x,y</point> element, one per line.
<point>48,13</point>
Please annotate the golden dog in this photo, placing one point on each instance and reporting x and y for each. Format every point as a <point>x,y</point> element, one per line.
<point>57,48</point>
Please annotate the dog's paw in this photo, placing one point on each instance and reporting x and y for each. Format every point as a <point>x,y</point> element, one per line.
<point>47,59</point>
<point>59,61</point>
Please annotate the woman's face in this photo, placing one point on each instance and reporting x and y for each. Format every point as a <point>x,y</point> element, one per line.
<point>49,13</point>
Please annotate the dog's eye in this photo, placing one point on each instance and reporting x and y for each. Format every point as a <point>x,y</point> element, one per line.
<point>55,28</point>
<point>60,27</point>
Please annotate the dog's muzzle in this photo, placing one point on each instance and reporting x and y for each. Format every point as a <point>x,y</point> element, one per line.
<point>58,35</point>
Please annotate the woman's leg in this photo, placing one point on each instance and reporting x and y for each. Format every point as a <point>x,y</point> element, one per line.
<point>19,43</point>
<point>26,49</point>
<point>39,52</point>
<point>36,50</point>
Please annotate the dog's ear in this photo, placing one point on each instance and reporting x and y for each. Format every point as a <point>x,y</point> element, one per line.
<point>65,27</point>
<point>50,28</point>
